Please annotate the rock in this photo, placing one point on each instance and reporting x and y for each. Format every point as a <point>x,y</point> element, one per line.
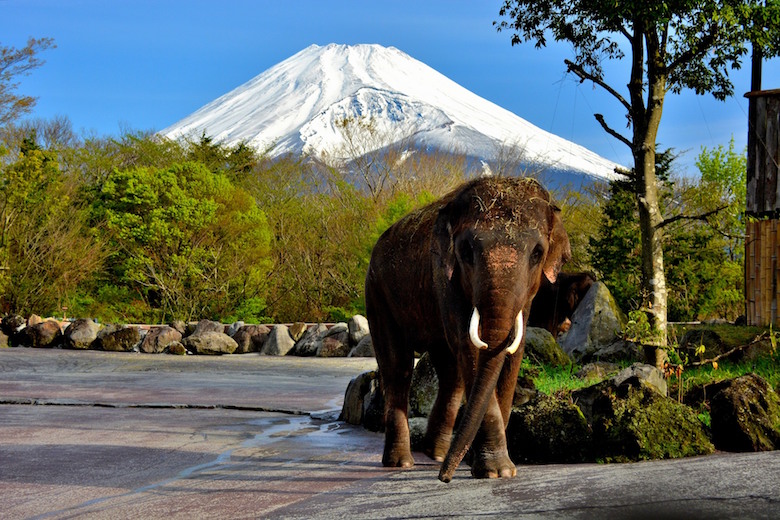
<point>417,429</point>
<point>693,339</point>
<point>34,319</point>
<point>310,342</point>
<point>208,326</point>
<point>365,348</point>
<point>356,398</point>
<point>646,374</point>
<point>594,325</point>
<point>158,338</point>
<point>80,334</point>
<point>11,324</point>
<point>279,342</point>
<point>548,430</point>
<point>541,348</point>
<point>358,329</point>
<point>176,348</point>
<point>745,415</point>
<point>374,409</point>
<point>45,334</point>
<point>632,421</point>
<point>425,385</point>
<point>117,338</point>
<point>180,326</point>
<point>335,342</point>
<point>297,330</point>
<point>250,338</point>
<point>597,370</point>
<point>233,328</point>
<point>3,340</point>
<point>210,342</point>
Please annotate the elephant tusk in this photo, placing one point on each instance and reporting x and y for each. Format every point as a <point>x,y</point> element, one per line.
<point>474,331</point>
<point>518,334</point>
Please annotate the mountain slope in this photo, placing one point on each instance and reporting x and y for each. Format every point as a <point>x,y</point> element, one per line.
<point>296,106</point>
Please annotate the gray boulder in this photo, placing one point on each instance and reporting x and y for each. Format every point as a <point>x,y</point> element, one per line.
<point>176,348</point>
<point>364,348</point>
<point>11,324</point>
<point>117,338</point>
<point>647,374</point>
<point>541,347</point>
<point>208,326</point>
<point>595,325</point>
<point>310,342</point>
<point>250,338</point>
<point>158,338</point>
<point>210,343</point>
<point>80,334</point>
<point>335,342</point>
<point>356,398</point>
<point>42,335</point>
<point>297,330</point>
<point>358,329</point>
<point>425,385</point>
<point>279,342</point>
<point>233,328</point>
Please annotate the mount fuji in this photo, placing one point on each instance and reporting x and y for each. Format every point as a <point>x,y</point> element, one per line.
<point>300,104</point>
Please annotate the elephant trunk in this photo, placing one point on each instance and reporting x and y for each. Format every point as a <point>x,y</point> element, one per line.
<point>488,370</point>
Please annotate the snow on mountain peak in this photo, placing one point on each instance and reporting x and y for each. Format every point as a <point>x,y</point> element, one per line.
<point>297,105</point>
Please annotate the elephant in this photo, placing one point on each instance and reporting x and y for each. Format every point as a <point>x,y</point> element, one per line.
<point>455,279</point>
<point>555,303</point>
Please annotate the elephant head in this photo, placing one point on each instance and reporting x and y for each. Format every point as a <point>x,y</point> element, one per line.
<point>493,241</point>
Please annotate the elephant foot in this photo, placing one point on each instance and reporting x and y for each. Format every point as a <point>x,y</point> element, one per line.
<point>397,458</point>
<point>493,465</point>
<point>437,448</point>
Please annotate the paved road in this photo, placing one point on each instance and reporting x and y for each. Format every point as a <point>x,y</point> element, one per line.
<point>107,435</point>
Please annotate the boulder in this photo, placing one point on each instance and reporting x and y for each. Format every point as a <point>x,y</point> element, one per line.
<point>118,338</point>
<point>548,430</point>
<point>594,325</point>
<point>335,342</point>
<point>745,415</point>
<point>34,319</point>
<point>633,421</point>
<point>176,348</point>
<point>11,324</point>
<point>297,330</point>
<point>158,338</point>
<point>358,329</point>
<point>210,342</point>
<point>80,334</point>
<point>278,343</point>
<point>364,348</point>
<point>180,326</point>
<point>694,338</point>
<point>541,348</point>
<point>208,326</point>
<point>424,387</point>
<point>310,342</point>
<point>42,335</point>
<point>356,398</point>
<point>231,329</point>
<point>646,374</point>
<point>250,338</point>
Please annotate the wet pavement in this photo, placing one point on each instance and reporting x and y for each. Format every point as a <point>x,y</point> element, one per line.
<point>110,435</point>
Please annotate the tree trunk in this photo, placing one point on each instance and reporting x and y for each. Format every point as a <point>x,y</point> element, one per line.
<point>646,122</point>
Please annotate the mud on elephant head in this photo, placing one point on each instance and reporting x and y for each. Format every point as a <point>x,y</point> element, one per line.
<point>456,279</point>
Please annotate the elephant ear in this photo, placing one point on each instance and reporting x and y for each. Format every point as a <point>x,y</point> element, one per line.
<point>559,251</point>
<point>442,245</point>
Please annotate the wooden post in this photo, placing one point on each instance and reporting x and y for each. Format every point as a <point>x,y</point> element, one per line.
<point>762,244</point>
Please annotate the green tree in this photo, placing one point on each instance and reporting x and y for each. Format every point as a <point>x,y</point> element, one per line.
<point>671,46</point>
<point>186,239</point>
<point>46,250</point>
<point>14,63</point>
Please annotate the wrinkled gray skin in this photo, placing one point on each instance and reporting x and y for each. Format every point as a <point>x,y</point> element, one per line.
<point>483,247</point>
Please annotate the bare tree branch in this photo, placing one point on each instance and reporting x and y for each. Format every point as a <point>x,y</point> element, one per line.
<point>702,216</point>
<point>610,131</point>
<point>584,75</point>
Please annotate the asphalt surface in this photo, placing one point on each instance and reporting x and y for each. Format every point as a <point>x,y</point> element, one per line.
<point>109,435</point>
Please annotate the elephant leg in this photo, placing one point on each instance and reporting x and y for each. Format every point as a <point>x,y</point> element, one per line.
<point>445,409</point>
<point>489,450</point>
<point>396,363</point>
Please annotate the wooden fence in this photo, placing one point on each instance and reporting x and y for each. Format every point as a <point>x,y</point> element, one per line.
<point>762,245</point>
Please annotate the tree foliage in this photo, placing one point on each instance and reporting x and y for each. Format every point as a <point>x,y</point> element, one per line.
<point>14,63</point>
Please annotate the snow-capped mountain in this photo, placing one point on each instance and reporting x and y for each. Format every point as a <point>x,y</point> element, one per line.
<point>297,105</point>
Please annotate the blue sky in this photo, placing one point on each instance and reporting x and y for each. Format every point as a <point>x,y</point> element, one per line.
<point>143,64</point>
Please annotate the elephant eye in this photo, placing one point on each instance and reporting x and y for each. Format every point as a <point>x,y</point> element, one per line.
<point>536,255</point>
<point>466,252</point>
